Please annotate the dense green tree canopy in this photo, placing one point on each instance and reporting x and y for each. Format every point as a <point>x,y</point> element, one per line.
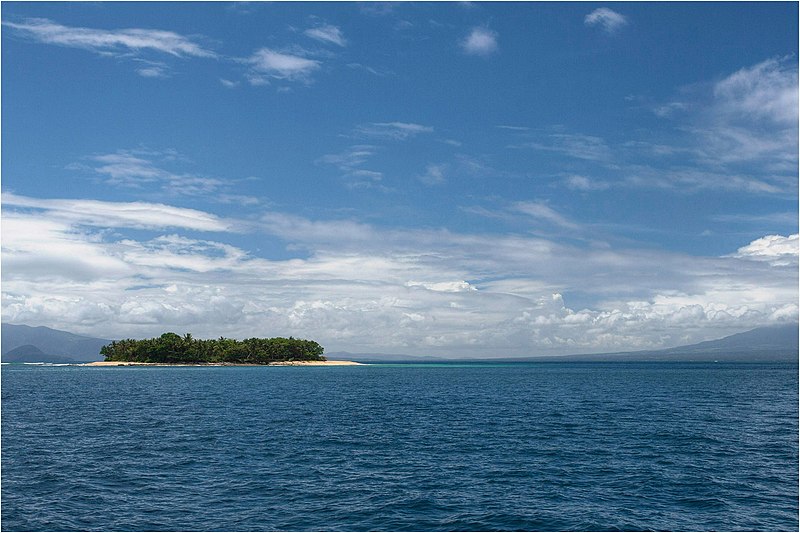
<point>172,348</point>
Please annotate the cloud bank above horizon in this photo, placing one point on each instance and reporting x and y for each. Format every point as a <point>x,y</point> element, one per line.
<point>410,181</point>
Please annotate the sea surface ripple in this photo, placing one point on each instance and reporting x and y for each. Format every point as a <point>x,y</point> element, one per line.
<point>471,447</point>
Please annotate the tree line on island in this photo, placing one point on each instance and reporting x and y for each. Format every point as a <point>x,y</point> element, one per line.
<point>174,349</point>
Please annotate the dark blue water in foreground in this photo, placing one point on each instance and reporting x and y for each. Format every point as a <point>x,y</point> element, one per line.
<point>542,446</point>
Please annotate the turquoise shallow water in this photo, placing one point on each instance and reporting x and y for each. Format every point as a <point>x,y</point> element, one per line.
<point>541,446</point>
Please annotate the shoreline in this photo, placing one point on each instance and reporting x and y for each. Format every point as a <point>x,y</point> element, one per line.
<point>280,363</point>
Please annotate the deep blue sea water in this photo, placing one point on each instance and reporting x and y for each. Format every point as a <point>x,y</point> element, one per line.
<point>540,446</point>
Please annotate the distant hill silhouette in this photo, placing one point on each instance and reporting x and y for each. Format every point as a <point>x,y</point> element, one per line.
<point>779,338</point>
<point>771,343</point>
<point>31,354</point>
<point>53,346</point>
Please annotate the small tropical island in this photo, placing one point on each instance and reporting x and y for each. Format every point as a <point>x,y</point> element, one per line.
<point>172,349</point>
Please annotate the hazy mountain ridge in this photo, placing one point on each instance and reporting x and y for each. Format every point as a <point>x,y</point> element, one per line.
<point>54,346</point>
<point>770,343</point>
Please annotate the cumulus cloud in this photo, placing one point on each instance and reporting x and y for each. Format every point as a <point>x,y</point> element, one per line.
<point>609,20</point>
<point>777,249</point>
<point>327,34</point>
<point>480,41</point>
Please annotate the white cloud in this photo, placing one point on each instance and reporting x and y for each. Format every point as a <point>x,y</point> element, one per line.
<point>399,131</point>
<point>513,128</point>
<point>434,175</point>
<point>152,72</point>
<point>766,91</point>
<point>283,66</point>
<point>588,147</point>
<point>350,162</point>
<point>443,286</point>
<point>352,157</point>
<point>740,132</point>
<point>542,211</point>
<point>582,183</point>
<point>609,20</point>
<point>139,215</point>
<point>361,288</point>
<point>109,41</point>
<point>140,169</point>
<point>480,41</point>
<point>752,119</point>
<point>328,34</point>
<point>776,249</point>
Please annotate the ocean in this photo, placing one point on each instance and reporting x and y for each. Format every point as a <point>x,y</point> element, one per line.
<point>414,447</point>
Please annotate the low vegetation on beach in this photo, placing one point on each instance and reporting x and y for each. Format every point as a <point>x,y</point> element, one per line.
<point>171,348</point>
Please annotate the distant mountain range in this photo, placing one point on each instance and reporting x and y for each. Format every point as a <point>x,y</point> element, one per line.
<point>26,344</point>
<point>772,343</point>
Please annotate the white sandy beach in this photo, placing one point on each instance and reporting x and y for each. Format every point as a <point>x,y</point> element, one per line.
<point>283,363</point>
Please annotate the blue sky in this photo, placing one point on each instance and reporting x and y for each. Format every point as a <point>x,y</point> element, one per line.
<point>455,179</point>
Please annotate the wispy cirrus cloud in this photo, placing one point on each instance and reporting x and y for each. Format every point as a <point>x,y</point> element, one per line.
<point>267,63</point>
<point>542,211</point>
<point>148,169</point>
<point>752,117</point>
<point>350,162</point>
<point>109,41</point>
<point>145,45</point>
<point>766,91</point>
<point>434,175</point>
<point>130,43</point>
<point>137,215</point>
<point>579,146</point>
<point>327,33</point>
<point>480,41</point>
<point>607,19</point>
<point>398,131</point>
<point>737,134</point>
<point>513,128</point>
<point>582,183</point>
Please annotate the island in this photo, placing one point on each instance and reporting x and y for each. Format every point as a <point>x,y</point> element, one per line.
<point>172,349</point>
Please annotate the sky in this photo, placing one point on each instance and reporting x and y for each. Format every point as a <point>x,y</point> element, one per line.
<point>448,179</point>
